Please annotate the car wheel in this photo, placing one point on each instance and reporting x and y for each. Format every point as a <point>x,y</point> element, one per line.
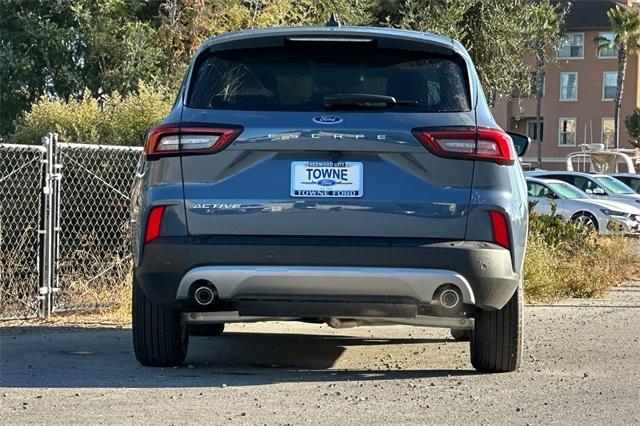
<point>159,337</point>
<point>461,335</point>
<point>206,329</point>
<point>586,220</point>
<point>496,341</point>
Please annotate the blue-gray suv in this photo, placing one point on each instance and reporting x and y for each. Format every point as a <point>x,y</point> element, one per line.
<point>339,175</point>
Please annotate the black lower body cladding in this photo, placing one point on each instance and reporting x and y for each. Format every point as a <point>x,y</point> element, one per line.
<point>487,267</point>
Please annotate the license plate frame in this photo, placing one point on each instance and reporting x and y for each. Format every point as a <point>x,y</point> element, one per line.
<point>325,179</point>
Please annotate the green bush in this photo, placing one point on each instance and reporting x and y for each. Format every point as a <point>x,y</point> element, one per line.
<point>120,120</point>
<point>555,231</point>
<point>565,260</point>
<point>632,123</point>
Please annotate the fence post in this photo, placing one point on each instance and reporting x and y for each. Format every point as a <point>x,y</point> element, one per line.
<point>49,226</point>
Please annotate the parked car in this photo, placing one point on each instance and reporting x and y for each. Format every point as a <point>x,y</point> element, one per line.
<point>632,180</point>
<point>342,175</point>
<point>597,185</point>
<point>604,216</point>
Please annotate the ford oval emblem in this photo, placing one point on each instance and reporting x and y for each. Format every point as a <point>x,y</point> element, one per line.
<point>326,182</point>
<point>327,119</point>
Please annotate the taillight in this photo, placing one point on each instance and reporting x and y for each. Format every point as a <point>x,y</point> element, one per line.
<point>170,139</point>
<point>154,222</point>
<point>469,144</point>
<point>500,229</point>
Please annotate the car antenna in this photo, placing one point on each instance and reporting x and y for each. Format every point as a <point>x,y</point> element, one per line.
<point>333,21</point>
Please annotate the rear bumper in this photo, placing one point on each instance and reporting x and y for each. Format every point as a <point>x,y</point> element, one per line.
<point>341,268</point>
<point>243,281</point>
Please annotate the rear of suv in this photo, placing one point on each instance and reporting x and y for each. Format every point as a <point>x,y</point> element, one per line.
<point>340,175</point>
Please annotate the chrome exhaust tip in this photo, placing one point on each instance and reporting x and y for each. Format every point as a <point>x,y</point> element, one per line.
<point>447,296</point>
<point>204,295</point>
<point>450,299</point>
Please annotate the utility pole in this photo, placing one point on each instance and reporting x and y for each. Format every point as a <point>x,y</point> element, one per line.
<point>539,85</point>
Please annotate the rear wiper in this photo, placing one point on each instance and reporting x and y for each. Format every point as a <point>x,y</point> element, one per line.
<point>362,100</point>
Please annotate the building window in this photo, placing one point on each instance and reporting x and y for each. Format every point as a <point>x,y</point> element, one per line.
<point>568,86</point>
<point>532,130</point>
<point>607,132</point>
<point>567,133</point>
<point>571,46</point>
<point>608,52</point>
<point>609,85</point>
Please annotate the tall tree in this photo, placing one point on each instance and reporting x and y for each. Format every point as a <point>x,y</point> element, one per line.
<point>58,48</point>
<point>185,24</point>
<point>625,24</point>
<point>545,22</point>
<point>493,31</point>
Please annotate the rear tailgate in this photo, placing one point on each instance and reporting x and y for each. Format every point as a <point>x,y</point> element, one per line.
<point>298,169</point>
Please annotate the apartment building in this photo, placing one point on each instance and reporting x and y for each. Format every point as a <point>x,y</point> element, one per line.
<point>578,91</point>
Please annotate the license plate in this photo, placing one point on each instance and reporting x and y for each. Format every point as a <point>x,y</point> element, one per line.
<point>326,179</point>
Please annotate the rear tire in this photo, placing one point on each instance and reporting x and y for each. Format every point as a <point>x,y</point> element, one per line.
<point>461,335</point>
<point>496,341</point>
<point>159,337</point>
<point>206,329</point>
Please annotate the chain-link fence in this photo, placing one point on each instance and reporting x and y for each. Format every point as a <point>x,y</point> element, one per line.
<point>82,228</point>
<point>94,253</point>
<point>21,172</point>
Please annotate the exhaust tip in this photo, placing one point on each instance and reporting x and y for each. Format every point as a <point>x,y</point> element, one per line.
<point>204,295</point>
<point>448,296</point>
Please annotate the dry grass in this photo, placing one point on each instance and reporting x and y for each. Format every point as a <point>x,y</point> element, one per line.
<point>553,272</point>
<point>19,278</point>
<point>118,311</point>
<point>123,294</point>
<point>89,283</point>
<point>118,316</point>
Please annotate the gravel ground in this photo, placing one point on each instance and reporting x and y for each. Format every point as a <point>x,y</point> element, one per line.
<point>582,366</point>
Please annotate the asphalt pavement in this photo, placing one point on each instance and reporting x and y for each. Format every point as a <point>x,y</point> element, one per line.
<point>581,366</point>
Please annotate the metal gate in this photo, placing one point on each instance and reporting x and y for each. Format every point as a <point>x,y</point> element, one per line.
<point>63,226</point>
<point>21,180</point>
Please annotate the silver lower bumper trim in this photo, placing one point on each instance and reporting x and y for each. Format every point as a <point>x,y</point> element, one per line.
<point>235,281</point>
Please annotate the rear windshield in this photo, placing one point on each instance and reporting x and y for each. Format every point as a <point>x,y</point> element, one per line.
<point>298,79</point>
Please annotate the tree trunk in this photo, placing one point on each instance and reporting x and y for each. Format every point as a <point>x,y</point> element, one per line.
<point>539,83</point>
<point>622,68</point>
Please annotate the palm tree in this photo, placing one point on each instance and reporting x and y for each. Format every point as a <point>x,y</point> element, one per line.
<point>625,24</point>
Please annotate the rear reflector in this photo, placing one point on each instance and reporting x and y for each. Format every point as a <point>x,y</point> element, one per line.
<point>154,222</point>
<point>171,139</point>
<point>500,229</point>
<point>469,144</point>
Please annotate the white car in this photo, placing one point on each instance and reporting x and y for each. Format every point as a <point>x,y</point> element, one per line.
<point>602,215</point>
<point>599,186</point>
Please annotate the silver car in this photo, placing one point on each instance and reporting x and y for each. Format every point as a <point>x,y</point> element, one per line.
<point>600,186</point>
<point>604,216</point>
